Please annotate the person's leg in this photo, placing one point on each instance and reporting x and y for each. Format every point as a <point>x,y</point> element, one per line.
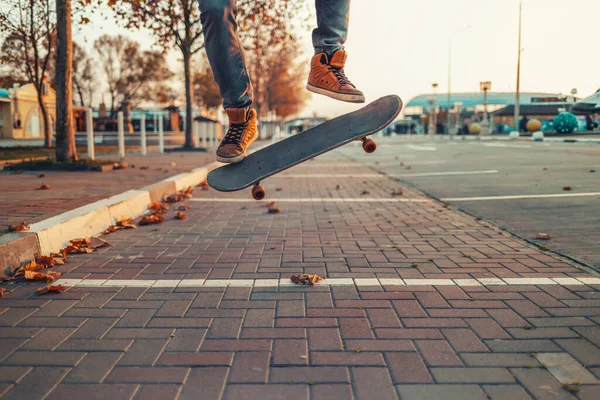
<point>327,76</point>
<point>332,25</point>
<point>227,61</point>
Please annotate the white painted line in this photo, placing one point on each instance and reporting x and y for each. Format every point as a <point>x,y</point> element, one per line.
<point>512,146</point>
<point>310,200</point>
<point>421,148</point>
<point>361,282</point>
<point>519,197</point>
<point>448,173</point>
<point>129,283</point>
<point>529,281</point>
<point>313,176</point>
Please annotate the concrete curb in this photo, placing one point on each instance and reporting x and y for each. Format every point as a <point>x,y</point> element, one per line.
<point>53,234</point>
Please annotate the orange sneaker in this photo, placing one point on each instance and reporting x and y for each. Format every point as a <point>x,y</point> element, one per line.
<point>327,77</point>
<point>242,132</point>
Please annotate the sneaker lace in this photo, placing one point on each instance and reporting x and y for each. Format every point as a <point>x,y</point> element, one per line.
<point>234,135</point>
<point>341,76</point>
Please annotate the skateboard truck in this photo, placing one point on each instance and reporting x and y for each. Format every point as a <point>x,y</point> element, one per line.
<point>258,193</point>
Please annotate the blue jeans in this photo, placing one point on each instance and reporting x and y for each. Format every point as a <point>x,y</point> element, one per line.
<point>225,53</point>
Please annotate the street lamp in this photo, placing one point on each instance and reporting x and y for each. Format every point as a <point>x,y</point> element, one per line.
<point>485,87</point>
<point>458,106</point>
<point>434,107</point>
<point>452,34</point>
<point>517,94</point>
<point>431,128</point>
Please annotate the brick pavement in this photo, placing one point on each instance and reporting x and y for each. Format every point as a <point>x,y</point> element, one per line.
<point>20,199</point>
<point>361,341</point>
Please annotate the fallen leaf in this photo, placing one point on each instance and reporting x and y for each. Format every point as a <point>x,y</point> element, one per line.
<point>44,187</point>
<point>19,228</point>
<point>592,171</point>
<point>396,158</point>
<point>269,204</point>
<point>543,236</point>
<point>273,210</point>
<point>338,187</point>
<point>51,289</point>
<point>158,208</point>
<point>278,189</point>
<point>120,165</point>
<point>152,219</point>
<point>144,167</point>
<point>567,188</point>
<point>132,165</point>
<point>31,266</point>
<point>49,276</point>
<point>41,175</point>
<point>203,185</point>
<point>180,215</point>
<point>398,192</point>
<point>174,198</point>
<point>306,279</point>
<point>95,243</point>
<point>110,229</point>
<point>402,164</point>
<point>408,167</point>
<point>364,192</point>
<point>2,290</point>
<point>173,164</point>
<point>545,168</point>
<point>183,208</point>
<point>50,261</point>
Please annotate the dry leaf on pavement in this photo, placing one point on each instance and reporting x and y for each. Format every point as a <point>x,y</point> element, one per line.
<point>158,208</point>
<point>398,192</point>
<point>183,208</point>
<point>567,188</point>
<point>364,192</point>
<point>43,186</point>
<point>2,290</point>
<point>180,215</point>
<point>203,185</point>
<point>49,276</point>
<point>543,236</point>
<point>19,228</point>
<point>306,279</point>
<point>126,223</point>
<point>51,289</point>
<point>50,261</point>
<point>120,165</point>
<point>273,210</point>
<point>152,219</point>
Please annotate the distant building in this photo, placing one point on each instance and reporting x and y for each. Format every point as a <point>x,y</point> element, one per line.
<point>468,107</point>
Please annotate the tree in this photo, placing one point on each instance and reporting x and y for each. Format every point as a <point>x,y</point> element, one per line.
<point>84,75</point>
<point>27,28</point>
<point>8,77</point>
<point>178,22</point>
<point>65,130</point>
<point>206,91</point>
<point>132,75</point>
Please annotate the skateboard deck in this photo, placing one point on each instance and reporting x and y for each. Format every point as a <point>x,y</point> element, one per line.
<point>305,145</point>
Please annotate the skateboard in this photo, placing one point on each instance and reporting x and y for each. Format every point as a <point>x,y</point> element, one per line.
<point>305,145</point>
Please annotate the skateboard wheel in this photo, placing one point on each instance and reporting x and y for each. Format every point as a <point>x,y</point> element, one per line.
<point>258,193</point>
<point>369,146</point>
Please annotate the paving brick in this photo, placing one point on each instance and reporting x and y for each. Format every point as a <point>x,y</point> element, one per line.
<point>290,308</point>
<point>543,300</point>
<point>388,333</point>
<point>331,392</point>
<point>147,375</point>
<point>186,339</point>
<point>52,322</point>
<point>464,340</point>
<point>259,318</point>
<point>290,352</point>
<point>408,308</point>
<point>346,358</point>
<point>37,383</point>
<point>95,345</point>
<point>541,384</point>
<point>507,318</point>
<point>309,375</point>
<point>267,392</point>
<point>136,318</point>
<point>139,333</point>
<point>521,346</point>
<point>499,360</point>
<point>95,312</point>
<point>236,345</point>
<point>306,322</point>
<point>44,358</point>
<point>273,333</point>
<point>356,328</point>
<point>542,333</point>
<point>48,339</point>
<point>591,333</point>
<point>319,300</point>
<point>95,299</point>
<point>431,300</point>
<point>433,322</point>
<point>407,368</point>
<point>196,359</point>
<point>506,392</point>
<point>437,353</point>
<point>55,308</point>
<point>446,392</point>
<point>226,328</point>
<point>373,383</point>
<point>179,323</point>
<point>250,367</point>
<point>585,352</point>
<point>93,368</point>
<point>456,313</point>
<point>143,352</point>
<point>175,308</point>
<point>471,375</point>
<point>12,374</point>
<point>93,392</point>
<point>205,382</point>
<point>380,345</point>
<point>324,339</point>
<point>207,300</point>
<point>362,304</point>
<point>559,321</point>
<point>159,392</point>
<point>12,316</point>
<point>526,308</point>
<point>487,328</point>
<point>9,346</point>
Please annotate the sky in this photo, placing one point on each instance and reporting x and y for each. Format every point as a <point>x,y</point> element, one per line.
<point>401,47</point>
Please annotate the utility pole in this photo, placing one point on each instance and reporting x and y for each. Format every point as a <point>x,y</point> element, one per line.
<point>517,105</point>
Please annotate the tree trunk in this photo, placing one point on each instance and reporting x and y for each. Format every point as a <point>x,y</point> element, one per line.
<point>65,134</point>
<point>190,140</point>
<point>45,120</point>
